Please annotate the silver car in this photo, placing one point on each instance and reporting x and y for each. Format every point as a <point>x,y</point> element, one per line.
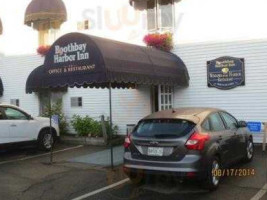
<point>187,143</point>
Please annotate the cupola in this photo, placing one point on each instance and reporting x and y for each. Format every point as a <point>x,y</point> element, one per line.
<point>45,16</point>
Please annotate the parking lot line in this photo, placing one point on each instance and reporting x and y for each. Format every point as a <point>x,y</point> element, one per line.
<point>102,189</point>
<point>40,155</point>
<point>261,193</point>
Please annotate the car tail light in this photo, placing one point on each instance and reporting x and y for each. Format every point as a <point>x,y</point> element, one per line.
<point>197,141</point>
<point>127,141</point>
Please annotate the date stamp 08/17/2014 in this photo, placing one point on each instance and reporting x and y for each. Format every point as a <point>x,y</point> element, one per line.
<point>233,172</point>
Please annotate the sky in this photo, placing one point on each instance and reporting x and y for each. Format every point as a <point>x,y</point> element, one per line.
<point>197,21</point>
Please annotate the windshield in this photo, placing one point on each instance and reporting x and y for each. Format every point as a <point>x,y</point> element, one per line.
<point>163,128</point>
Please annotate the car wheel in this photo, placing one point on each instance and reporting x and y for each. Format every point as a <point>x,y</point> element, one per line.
<point>212,180</point>
<point>249,151</point>
<point>46,140</point>
<point>137,179</point>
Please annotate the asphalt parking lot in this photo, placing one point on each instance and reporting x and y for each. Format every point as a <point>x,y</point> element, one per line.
<point>27,174</point>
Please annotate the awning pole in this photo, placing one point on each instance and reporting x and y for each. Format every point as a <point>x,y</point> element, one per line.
<point>110,122</point>
<point>50,126</point>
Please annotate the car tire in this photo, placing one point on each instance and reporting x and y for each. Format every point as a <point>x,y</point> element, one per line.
<point>212,181</point>
<point>46,140</point>
<point>249,151</point>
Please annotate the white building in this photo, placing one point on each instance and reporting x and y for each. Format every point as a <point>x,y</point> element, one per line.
<point>246,102</point>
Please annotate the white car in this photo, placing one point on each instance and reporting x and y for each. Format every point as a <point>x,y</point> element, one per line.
<point>17,126</point>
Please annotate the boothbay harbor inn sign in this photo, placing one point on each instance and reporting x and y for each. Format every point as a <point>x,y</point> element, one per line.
<point>71,53</point>
<point>72,58</point>
<point>226,72</point>
<point>61,53</point>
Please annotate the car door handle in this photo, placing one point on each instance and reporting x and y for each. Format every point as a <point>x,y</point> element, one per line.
<point>13,125</point>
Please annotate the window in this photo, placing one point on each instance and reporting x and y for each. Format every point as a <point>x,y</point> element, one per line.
<point>160,14</point>
<point>52,35</point>
<point>14,102</point>
<point>47,37</point>
<point>216,122</point>
<point>162,128</point>
<point>15,114</point>
<point>166,13</point>
<point>230,121</point>
<point>206,125</point>
<point>76,102</point>
<point>84,25</point>
<point>56,98</point>
<point>151,15</point>
<point>165,97</point>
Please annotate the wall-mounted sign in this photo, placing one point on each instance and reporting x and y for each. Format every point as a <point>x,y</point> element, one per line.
<point>226,72</point>
<point>254,127</point>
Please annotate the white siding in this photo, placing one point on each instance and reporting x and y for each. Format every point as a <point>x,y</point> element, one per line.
<point>128,105</point>
<point>246,103</point>
<point>14,71</point>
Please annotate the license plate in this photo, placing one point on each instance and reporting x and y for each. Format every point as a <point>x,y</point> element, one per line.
<point>155,151</point>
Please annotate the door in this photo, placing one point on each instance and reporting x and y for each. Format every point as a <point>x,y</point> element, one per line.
<point>161,98</point>
<point>165,97</point>
<point>4,127</point>
<point>225,137</point>
<point>239,139</point>
<point>154,99</point>
<point>20,127</point>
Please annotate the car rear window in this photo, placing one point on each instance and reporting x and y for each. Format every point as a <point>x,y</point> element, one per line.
<point>163,128</point>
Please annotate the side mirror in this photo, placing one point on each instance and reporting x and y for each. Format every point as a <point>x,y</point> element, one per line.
<point>30,117</point>
<point>242,124</point>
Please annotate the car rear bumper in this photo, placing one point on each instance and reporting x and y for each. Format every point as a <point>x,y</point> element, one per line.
<point>133,172</point>
<point>189,164</point>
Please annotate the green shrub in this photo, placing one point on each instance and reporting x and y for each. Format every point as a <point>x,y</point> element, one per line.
<point>114,128</point>
<point>56,109</point>
<point>86,126</point>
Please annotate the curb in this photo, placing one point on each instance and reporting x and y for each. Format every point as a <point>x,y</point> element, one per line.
<point>90,141</point>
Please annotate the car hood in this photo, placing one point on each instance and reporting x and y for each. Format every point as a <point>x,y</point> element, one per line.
<point>42,119</point>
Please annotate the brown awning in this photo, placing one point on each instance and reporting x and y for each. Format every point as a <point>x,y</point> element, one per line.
<point>39,11</point>
<point>34,81</point>
<point>79,60</point>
